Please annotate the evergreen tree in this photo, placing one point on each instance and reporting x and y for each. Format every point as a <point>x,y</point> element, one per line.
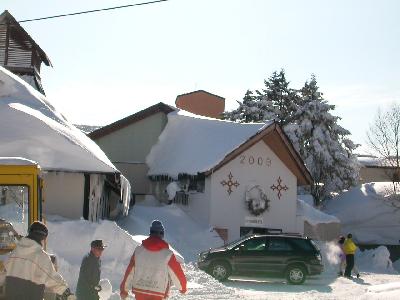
<point>279,100</point>
<point>322,143</point>
<point>307,120</point>
<point>275,101</point>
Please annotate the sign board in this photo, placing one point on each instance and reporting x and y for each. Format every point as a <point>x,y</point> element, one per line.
<point>253,221</point>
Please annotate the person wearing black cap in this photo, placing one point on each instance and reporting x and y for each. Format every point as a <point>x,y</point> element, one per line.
<point>89,274</point>
<point>152,268</point>
<point>29,270</point>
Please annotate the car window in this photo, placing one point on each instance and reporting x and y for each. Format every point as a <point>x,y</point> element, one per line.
<point>255,244</point>
<point>279,244</point>
<point>302,244</point>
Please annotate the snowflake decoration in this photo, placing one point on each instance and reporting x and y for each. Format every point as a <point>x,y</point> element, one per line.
<point>230,183</point>
<point>279,187</point>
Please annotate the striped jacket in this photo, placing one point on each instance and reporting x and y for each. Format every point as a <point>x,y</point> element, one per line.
<point>29,271</point>
<point>152,269</point>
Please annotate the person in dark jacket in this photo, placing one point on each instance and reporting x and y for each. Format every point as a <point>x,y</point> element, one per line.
<point>89,275</point>
<point>29,270</point>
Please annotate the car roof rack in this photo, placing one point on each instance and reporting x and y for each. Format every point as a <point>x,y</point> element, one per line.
<point>281,233</point>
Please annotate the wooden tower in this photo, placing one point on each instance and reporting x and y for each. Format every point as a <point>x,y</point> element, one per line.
<point>19,53</point>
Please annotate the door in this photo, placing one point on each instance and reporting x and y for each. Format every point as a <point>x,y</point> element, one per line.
<point>278,253</point>
<point>249,256</point>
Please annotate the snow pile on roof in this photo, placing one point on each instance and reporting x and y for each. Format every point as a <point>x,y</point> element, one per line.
<point>312,215</point>
<point>33,129</point>
<point>191,143</point>
<point>188,237</point>
<point>372,161</point>
<point>367,213</point>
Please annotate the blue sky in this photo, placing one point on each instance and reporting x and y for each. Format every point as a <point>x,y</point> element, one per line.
<point>111,64</point>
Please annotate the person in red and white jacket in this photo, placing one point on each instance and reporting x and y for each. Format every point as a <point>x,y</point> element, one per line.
<point>152,268</point>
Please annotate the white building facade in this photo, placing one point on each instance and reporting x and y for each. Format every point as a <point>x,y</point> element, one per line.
<point>250,188</point>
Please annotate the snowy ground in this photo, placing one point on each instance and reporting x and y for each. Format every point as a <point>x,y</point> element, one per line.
<point>378,279</point>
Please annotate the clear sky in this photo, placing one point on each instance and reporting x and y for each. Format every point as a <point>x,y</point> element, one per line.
<point>109,65</point>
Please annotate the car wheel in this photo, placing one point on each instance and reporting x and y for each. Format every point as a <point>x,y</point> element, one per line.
<point>220,270</point>
<point>295,274</point>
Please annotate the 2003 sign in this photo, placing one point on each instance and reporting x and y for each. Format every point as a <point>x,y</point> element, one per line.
<point>251,160</point>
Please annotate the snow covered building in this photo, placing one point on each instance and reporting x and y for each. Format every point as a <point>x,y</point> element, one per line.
<point>375,169</point>
<point>79,179</point>
<point>128,141</point>
<point>238,178</point>
<point>19,53</point>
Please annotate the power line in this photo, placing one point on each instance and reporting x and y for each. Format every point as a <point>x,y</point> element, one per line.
<point>92,11</point>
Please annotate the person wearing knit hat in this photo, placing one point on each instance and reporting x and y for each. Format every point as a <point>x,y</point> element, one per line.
<point>152,268</point>
<point>88,286</point>
<point>29,269</point>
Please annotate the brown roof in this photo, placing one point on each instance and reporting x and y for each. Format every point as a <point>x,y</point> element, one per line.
<point>103,131</point>
<point>280,144</point>
<point>199,91</point>
<point>6,17</point>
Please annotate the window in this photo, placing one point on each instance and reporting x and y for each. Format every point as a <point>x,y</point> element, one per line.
<point>192,183</point>
<point>279,244</point>
<point>256,244</point>
<point>302,244</point>
<point>14,208</point>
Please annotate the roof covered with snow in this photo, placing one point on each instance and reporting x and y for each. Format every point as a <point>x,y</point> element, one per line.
<point>368,213</point>
<point>206,142</point>
<point>372,161</point>
<point>33,129</point>
<point>312,215</point>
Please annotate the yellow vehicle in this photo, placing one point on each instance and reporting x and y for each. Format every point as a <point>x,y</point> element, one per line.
<point>20,203</point>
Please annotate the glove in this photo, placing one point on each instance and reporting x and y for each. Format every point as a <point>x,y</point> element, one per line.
<point>67,295</point>
<point>123,295</point>
<point>183,291</point>
<point>97,288</point>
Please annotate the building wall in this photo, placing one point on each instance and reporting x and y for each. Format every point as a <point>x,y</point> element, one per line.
<point>128,147</point>
<point>249,168</point>
<point>199,204</point>
<point>374,175</point>
<point>63,194</point>
<point>201,103</point>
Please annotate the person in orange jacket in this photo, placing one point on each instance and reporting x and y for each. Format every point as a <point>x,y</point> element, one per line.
<point>349,249</point>
<point>152,268</point>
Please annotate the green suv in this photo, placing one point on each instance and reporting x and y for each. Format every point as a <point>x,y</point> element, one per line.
<point>290,256</point>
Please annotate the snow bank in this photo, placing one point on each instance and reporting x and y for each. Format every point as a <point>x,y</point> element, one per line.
<point>187,236</point>
<point>372,261</point>
<point>312,215</point>
<point>375,261</point>
<point>70,242</point>
<point>367,214</point>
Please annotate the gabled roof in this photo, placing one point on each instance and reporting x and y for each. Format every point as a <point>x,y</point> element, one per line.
<point>145,113</point>
<point>191,144</point>
<point>31,128</point>
<point>199,91</point>
<point>6,17</point>
<point>371,161</point>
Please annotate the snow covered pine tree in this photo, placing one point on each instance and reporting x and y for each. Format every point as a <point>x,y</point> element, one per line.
<point>307,120</point>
